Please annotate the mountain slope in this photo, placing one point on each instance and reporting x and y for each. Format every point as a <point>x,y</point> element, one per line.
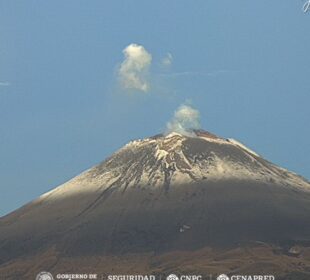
<point>164,194</point>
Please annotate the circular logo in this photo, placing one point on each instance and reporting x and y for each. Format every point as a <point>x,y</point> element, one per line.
<point>44,276</point>
<point>222,277</point>
<point>172,277</point>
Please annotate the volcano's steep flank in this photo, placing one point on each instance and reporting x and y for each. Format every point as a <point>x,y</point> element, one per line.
<point>169,203</point>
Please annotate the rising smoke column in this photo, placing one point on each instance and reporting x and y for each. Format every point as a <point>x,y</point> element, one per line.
<point>185,119</point>
<point>134,70</point>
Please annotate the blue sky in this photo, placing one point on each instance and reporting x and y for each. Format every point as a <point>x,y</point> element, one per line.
<point>243,64</point>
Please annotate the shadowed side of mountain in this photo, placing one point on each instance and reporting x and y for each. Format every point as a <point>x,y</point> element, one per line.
<point>212,214</point>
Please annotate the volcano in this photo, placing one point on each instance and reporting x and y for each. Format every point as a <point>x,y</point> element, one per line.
<point>190,204</point>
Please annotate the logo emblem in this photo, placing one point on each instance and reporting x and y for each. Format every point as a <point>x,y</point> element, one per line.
<point>44,276</point>
<point>172,277</point>
<point>222,277</point>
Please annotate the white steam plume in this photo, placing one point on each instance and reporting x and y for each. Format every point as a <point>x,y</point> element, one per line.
<point>185,119</point>
<point>133,72</point>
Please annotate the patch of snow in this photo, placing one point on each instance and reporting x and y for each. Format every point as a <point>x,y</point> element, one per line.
<point>172,134</point>
<point>235,142</point>
<point>226,169</point>
<point>160,154</point>
<point>214,140</point>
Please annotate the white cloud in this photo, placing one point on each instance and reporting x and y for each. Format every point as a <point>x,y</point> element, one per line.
<point>134,70</point>
<point>167,60</point>
<point>185,119</point>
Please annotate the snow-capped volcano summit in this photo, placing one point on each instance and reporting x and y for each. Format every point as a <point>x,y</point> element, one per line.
<point>161,194</point>
<point>164,160</point>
